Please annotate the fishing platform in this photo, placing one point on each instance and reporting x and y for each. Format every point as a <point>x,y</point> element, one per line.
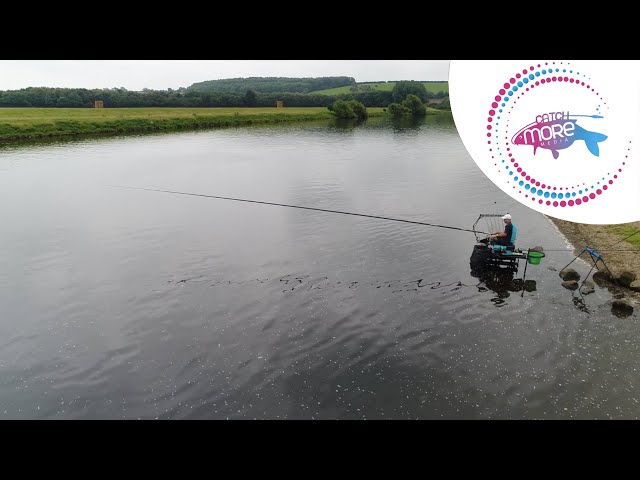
<point>486,255</point>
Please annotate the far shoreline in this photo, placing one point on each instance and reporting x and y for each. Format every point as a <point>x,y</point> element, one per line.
<point>24,124</point>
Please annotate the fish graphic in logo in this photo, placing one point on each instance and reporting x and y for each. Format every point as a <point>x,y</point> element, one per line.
<point>556,131</point>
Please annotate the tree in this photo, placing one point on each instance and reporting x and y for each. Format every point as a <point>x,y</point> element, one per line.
<point>444,105</point>
<point>250,98</point>
<point>342,109</point>
<point>14,99</point>
<point>271,84</point>
<point>406,87</point>
<point>414,105</point>
<point>351,109</point>
<point>70,100</point>
<point>359,109</point>
<point>398,110</point>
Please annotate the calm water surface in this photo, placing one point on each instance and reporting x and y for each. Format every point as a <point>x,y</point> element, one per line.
<point>124,304</point>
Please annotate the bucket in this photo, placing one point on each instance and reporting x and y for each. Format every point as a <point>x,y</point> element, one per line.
<point>534,257</point>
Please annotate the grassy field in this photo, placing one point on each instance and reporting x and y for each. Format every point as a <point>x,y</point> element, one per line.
<point>433,87</point>
<point>30,116</point>
<point>24,123</point>
<point>623,231</point>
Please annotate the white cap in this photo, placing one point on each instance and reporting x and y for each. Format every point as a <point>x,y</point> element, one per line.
<point>507,217</point>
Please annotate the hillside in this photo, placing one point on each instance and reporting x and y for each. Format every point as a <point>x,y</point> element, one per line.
<point>271,84</point>
<point>432,87</point>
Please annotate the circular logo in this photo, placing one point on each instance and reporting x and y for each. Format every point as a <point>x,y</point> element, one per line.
<point>558,136</point>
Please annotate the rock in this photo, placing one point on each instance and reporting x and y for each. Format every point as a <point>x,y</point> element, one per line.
<point>621,307</point>
<point>553,269</point>
<point>537,249</point>
<point>569,274</point>
<point>588,288</point>
<point>601,277</point>
<point>616,293</point>
<point>635,286</point>
<point>570,284</point>
<point>625,278</point>
<point>530,285</point>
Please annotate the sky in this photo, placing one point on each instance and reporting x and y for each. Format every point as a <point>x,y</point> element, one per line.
<point>163,74</point>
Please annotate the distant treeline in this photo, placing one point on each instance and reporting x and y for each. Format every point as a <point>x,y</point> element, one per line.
<point>45,97</point>
<point>270,84</point>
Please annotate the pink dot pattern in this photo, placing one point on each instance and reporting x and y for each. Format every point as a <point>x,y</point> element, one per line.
<point>518,86</point>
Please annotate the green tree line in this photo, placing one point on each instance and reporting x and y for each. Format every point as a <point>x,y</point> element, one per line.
<point>45,97</point>
<point>271,84</point>
<point>408,100</point>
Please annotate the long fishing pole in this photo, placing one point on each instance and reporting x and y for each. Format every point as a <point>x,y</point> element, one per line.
<point>300,207</point>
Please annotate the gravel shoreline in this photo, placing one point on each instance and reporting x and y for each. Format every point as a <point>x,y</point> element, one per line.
<point>618,254</point>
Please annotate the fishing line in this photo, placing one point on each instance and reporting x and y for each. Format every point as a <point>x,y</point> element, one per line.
<point>300,207</point>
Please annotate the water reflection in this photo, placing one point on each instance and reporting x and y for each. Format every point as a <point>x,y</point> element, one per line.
<point>346,124</point>
<point>403,124</point>
<point>502,281</point>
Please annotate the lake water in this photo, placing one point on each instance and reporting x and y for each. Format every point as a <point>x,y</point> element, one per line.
<point>123,304</point>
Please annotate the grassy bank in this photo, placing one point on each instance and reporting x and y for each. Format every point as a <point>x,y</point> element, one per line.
<point>31,123</point>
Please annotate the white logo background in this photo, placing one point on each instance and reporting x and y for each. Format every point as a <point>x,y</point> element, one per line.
<point>491,100</point>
